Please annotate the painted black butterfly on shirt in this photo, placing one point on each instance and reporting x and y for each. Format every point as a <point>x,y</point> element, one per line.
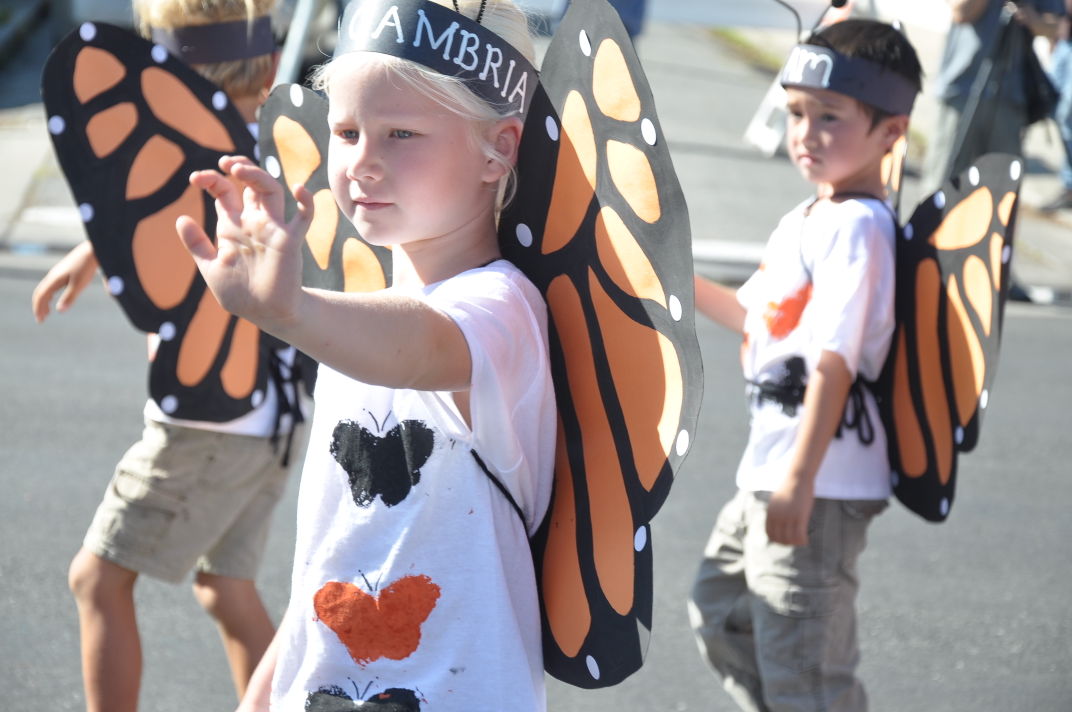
<point>335,699</point>
<point>386,466</point>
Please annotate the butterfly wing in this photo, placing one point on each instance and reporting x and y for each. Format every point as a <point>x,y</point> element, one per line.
<point>612,255</point>
<point>293,148</point>
<point>129,123</point>
<point>953,261</point>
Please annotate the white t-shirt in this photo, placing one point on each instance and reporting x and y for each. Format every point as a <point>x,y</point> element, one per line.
<point>826,284</point>
<point>412,572</point>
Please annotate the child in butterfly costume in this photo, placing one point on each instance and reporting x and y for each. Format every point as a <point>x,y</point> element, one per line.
<point>192,493</point>
<point>773,604</point>
<point>413,582</point>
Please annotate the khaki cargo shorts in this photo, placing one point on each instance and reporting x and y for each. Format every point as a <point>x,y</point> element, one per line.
<point>183,498</point>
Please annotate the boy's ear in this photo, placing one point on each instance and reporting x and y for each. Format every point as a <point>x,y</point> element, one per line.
<point>893,128</point>
<point>505,138</point>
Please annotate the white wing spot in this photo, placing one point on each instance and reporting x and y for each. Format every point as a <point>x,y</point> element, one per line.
<point>115,286</point>
<point>524,235</point>
<point>939,199</point>
<point>681,446</point>
<point>945,506</point>
<point>586,44</point>
<point>56,125</point>
<point>85,211</point>
<point>166,331</point>
<point>219,100</point>
<point>297,98</point>
<point>675,307</point>
<point>552,127</point>
<point>159,53</point>
<point>640,539</point>
<point>973,176</point>
<point>593,667</point>
<point>169,404</point>
<point>909,231</point>
<point>87,31</point>
<point>256,398</point>
<point>271,164</point>
<point>984,399</point>
<point>647,130</point>
<point>1016,168</point>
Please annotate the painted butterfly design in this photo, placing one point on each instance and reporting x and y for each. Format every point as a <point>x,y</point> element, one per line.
<point>335,699</point>
<point>129,123</point>
<point>953,260</point>
<point>384,624</point>
<point>387,466</point>
<point>599,225</point>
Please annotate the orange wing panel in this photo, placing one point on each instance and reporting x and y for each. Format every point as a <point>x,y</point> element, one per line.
<point>929,363</point>
<point>361,270</point>
<point>623,259</point>
<point>96,71</point>
<point>652,404</point>
<point>299,155</point>
<point>964,349</point>
<point>612,83</point>
<point>165,269</point>
<point>154,165</point>
<point>175,105</point>
<point>977,287</point>
<point>612,533</point>
<point>321,234</point>
<point>910,444</point>
<point>967,223</point>
<point>203,340</point>
<point>631,172</point>
<point>109,128</point>
<point>239,372</point>
<point>576,175</point>
<point>568,613</point>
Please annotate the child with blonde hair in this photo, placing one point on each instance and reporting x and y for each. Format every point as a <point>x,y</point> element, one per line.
<point>191,493</point>
<point>432,446</point>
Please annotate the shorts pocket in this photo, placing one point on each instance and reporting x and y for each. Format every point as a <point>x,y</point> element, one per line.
<point>791,626</point>
<point>144,514</point>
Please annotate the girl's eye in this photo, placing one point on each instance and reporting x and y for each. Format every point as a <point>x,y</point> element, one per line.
<point>348,134</point>
<point>401,133</point>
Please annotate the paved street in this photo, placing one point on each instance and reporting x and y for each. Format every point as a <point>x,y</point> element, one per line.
<point>968,615</point>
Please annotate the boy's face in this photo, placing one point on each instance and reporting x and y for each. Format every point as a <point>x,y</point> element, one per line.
<point>830,139</point>
<point>402,168</point>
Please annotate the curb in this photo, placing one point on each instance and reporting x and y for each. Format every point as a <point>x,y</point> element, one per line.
<point>23,18</point>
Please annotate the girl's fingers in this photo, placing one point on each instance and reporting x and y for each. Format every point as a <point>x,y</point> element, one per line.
<point>194,239</point>
<point>221,189</point>
<point>304,215</point>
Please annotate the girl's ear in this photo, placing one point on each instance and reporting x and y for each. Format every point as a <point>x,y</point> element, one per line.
<point>505,137</point>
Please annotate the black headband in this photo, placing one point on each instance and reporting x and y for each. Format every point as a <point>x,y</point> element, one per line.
<point>818,67</point>
<point>218,41</point>
<point>445,41</point>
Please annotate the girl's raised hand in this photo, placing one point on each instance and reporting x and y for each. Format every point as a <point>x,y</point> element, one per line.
<point>254,269</point>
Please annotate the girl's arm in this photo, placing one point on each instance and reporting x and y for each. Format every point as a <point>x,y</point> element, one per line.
<point>255,272</point>
<point>824,404</point>
<point>71,274</point>
<point>719,304</point>
<point>259,689</point>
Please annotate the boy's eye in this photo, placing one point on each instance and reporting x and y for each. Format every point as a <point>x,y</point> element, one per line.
<point>401,133</point>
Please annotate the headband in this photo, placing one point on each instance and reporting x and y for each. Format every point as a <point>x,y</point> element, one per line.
<point>218,41</point>
<point>444,41</point>
<point>817,67</point>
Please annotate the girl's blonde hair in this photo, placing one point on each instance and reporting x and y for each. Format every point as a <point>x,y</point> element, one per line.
<point>240,77</point>
<point>502,17</point>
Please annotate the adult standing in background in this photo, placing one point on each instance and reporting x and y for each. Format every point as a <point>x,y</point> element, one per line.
<point>972,41</point>
<point>1061,71</point>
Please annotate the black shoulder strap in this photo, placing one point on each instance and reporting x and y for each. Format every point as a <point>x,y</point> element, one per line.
<point>502,488</point>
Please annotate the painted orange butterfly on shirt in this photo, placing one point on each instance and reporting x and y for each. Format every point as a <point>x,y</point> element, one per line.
<point>129,123</point>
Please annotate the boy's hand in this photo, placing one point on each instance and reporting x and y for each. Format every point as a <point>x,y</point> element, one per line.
<point>789,512</point>
<point>71,274</point>
<point>254,269</point>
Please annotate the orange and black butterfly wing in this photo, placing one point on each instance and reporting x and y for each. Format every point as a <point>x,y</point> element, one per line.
<point>293,148</point>
<point>600,226</point>
<point>953,276</point>
<point>129,124</point>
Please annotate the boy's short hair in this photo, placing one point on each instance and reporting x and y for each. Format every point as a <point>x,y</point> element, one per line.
<point>240,77</point>
<point>877,42</point>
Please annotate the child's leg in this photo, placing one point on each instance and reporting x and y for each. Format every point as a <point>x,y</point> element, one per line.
<point>720,606</point>
<point>244,625</point>
<point>804,610</point>
<point>111,647</point>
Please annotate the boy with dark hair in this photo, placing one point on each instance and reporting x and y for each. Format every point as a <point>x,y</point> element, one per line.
<point>773,605</point>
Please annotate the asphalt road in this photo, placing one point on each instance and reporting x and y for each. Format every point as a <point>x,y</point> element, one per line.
<point>968,615</point>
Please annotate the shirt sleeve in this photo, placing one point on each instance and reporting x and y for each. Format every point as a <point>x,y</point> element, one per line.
<point>511,397</point>
<point>853,274</point>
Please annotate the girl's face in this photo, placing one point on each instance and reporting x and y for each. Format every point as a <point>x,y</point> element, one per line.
<point>402,167</point>
<point>831,141</point>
